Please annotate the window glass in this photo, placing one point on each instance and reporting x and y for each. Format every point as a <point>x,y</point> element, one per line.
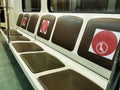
<point>31,5</point>
<point>93,5</point>
<point>117,8</point>
<point>97,6</point>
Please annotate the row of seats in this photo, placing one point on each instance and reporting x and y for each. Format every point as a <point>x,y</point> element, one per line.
<point>58,57</point>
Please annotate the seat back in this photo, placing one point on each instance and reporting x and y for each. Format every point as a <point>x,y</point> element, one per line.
<point>100,41</point>
<point>32,23</point>
<point>66,31</point>
<point>19,19</point>
<point>46,26</point>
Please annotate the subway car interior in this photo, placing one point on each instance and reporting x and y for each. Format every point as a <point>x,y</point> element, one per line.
<point>60,44</point>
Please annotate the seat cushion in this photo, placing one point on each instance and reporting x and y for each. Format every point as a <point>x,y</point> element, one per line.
<point>67,80</point>
<point>12,32</point>
<point>26,47</point>
<point>38,62</point>
<point>19,38</point>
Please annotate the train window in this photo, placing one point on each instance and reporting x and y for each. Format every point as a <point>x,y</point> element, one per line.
<point>117,8</point>
<point>31,5</point>
<point>93,5</point>
<point>97,6</point>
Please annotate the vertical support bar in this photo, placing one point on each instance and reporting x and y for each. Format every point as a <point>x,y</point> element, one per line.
<point>7,14</point>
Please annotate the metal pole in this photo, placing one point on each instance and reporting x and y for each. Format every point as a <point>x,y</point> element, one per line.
<point>8,26</point>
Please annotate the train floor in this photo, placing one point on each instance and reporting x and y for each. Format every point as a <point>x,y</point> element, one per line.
<point>11,75</point>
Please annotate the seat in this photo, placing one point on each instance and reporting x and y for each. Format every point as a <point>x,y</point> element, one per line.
<point>26,47</point>
<point>44,61</point>
<point>102,36</point>
<point>23,25</point>
<point>13,31</point>
<point>19,38</point>
<point>46,26</point>
<point>38,62</point>
<point>31,28</point>
<point>67,80</point>
<point>32,23</point>
<point>107,25</point>
<point>66,31</point>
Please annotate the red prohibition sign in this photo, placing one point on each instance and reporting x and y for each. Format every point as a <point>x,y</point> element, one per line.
<point>24,21</point>
<point>104,43</point>
<point>44,26</point>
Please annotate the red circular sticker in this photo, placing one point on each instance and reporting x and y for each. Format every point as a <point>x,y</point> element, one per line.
<point>44,26</point>
<point>104,43</point>
<point>24,21</point>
